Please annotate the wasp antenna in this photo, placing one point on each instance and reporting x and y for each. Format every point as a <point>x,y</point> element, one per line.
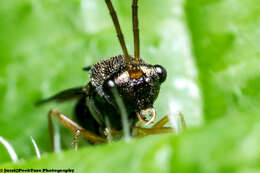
<point>135,72</point>
<point>136,32</point>
<point>119,32</point>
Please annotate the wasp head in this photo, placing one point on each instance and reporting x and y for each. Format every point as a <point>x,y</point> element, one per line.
<point>139,90</point>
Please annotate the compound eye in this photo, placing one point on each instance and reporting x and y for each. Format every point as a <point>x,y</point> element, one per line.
<point>161,73</point>
<point>108,85</point>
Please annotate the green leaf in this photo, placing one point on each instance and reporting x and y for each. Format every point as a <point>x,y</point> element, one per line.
<point>227,145</point>
<point>225,37</point>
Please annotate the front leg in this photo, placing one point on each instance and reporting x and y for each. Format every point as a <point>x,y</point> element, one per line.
<point>165,120</point>
<point>140,131</point>
<point>158,128</point>
<point>74,127</point>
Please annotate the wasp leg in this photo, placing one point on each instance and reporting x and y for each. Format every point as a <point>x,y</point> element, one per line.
<point>113,132</point>
<point>162,122</point>
<point>183,123</point>
<point>158,127</point>
<point>76,140</point>
<point>139,131</point>
<point>74,127</point>
<point>165,120</point>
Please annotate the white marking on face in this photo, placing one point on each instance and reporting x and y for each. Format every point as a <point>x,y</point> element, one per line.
<point>148,71</point>
<point>125,77</point>
<point>122,78</point>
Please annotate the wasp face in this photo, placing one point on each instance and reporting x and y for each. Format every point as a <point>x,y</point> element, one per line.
<point>139,94</point>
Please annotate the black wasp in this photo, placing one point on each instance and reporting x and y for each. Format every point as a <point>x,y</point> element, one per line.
<point>121,84</point>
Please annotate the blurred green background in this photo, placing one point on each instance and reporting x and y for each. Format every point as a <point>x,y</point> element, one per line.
<point>209,48</point>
